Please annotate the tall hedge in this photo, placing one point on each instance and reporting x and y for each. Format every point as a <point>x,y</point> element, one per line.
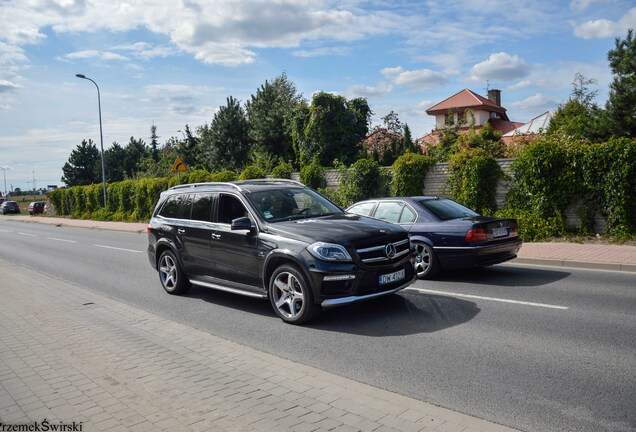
<point>473,181</point>
<point>409,171</point>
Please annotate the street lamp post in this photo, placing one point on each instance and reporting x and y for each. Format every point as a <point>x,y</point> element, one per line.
<point>101,136</point>
<point>4,171</point>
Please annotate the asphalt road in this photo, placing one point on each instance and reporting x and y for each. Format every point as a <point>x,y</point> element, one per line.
<point>535,348</point>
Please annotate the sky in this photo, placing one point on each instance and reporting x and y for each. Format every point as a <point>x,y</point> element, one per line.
<point>173,63</point>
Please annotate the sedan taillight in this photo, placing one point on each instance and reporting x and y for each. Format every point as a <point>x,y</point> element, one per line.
<point>475,235</point>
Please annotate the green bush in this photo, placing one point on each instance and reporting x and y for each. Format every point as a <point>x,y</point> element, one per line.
<point>533,226</point>
<point>409,171</point>
<point>223,176</point>
<point>313,175</point>
<point>199,176</point>
<point>474,174</point>
<point>252,172</point>
<point>364,179</point>
<point>283,170</point>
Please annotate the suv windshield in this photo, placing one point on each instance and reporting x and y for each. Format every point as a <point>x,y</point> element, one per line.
<point>276,205</point>
<point>446,209</point>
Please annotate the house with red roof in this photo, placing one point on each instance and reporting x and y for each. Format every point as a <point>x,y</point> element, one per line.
<point>452,111</point>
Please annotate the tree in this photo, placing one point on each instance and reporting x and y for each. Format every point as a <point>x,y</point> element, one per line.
<point>114,160</point>
<point>134,153</point>
<point>331,128</point>
<point>226,142</point>
<point>621,104</point>
<point>269,113</point>
<point>154,145</point>
<point>83,166</point>
<point>580,118</point>
<point>190,150</point>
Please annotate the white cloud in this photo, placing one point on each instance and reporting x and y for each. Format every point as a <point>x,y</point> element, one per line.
<point>225,32</point>
<point>519,85</point>
<point>534,105</point>
<point>7,86</point>
<point>94,54</point>
<point>581,5</point>
<point>423,78</point>
<point>146,51</point>
<point>499,66</point>
<point>369,91</point>
<point>603,28</point>
<point>321,52</point>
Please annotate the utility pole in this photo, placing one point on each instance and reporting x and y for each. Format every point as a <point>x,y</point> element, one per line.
<point>33,185</point>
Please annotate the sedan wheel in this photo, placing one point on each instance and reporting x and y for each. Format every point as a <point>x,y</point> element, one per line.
<point>426,265</point>
<point>291,296</point>
<point>171,276</point>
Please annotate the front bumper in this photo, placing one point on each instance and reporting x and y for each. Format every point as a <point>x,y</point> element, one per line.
<point>335,284</point>
<point>352,299</point>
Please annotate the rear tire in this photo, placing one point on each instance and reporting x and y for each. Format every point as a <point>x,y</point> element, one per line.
<point>172,278</point>
<point>426,264</point>
<point>291,296</point>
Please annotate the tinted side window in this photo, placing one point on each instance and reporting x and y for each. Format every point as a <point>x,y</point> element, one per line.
<point>230,208</point>
<point>363,209</point>
<point>202,207</point>
<point>171,207</point>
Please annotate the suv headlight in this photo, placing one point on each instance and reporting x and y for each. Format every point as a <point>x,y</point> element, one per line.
<point>329,252</point>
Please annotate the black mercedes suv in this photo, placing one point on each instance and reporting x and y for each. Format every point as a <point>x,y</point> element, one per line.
<point>275,239</point>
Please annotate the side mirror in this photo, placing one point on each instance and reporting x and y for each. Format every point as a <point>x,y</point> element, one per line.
<point>242,223</point>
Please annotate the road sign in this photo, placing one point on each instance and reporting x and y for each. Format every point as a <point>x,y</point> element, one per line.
<point>179,166</point>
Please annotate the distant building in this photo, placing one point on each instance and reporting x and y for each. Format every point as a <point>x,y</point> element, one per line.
<point>484,110</point>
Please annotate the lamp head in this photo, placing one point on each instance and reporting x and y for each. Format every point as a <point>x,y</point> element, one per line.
<point>80,75</point>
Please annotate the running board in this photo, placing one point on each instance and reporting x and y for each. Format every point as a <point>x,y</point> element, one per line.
<point>227,289</point>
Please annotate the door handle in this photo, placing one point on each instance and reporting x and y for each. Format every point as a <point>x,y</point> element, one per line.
<point>215,236</point>
<point>181,231</point>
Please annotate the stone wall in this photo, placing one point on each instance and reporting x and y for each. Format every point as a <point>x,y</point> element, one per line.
<point>435,185</point>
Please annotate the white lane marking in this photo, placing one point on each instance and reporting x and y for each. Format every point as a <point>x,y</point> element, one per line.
<point>26,234</point>
<point>5,231</point>
<point>116,248</point>
<point>62,240</point>
<point>451,294</point>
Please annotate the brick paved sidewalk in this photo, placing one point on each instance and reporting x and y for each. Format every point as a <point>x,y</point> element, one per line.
<point>70,355</point>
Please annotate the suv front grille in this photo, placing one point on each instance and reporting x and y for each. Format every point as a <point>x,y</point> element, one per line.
<point>384,253</point>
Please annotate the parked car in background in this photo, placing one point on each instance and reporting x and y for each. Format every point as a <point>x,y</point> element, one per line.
<point>446,234</point>
<point>275,239</point>
<point>9,207</point>
<point>36,207</point>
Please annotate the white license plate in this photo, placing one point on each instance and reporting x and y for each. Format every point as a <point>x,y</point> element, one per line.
<point>391,277</point>
<point>500,232</point>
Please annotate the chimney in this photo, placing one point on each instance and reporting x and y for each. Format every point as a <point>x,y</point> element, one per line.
<point>494,96</point>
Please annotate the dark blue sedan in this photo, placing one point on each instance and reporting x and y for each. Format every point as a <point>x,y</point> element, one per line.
<point>446,234</point>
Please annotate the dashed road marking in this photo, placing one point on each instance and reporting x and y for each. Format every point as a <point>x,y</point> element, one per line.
<point>26,234</point>
<point>116,248</point>
<point>471,296</point>
<point>62,240</point>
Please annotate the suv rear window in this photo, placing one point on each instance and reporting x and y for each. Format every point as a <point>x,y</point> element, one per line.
<point>171,207</point>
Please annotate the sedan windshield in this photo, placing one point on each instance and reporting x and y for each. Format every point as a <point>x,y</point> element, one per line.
<point>446,209</point>
<point>289,204</point>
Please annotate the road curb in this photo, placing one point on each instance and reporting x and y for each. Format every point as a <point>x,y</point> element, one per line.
<point>550,262</point>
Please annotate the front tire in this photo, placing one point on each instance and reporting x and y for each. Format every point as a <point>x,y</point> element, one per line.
<point>172,278</point>
<point>426,264</point>
<point>291,296</point>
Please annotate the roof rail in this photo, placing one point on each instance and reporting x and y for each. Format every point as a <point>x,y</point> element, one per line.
<point>270,180</point>
<point>188,185</point>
